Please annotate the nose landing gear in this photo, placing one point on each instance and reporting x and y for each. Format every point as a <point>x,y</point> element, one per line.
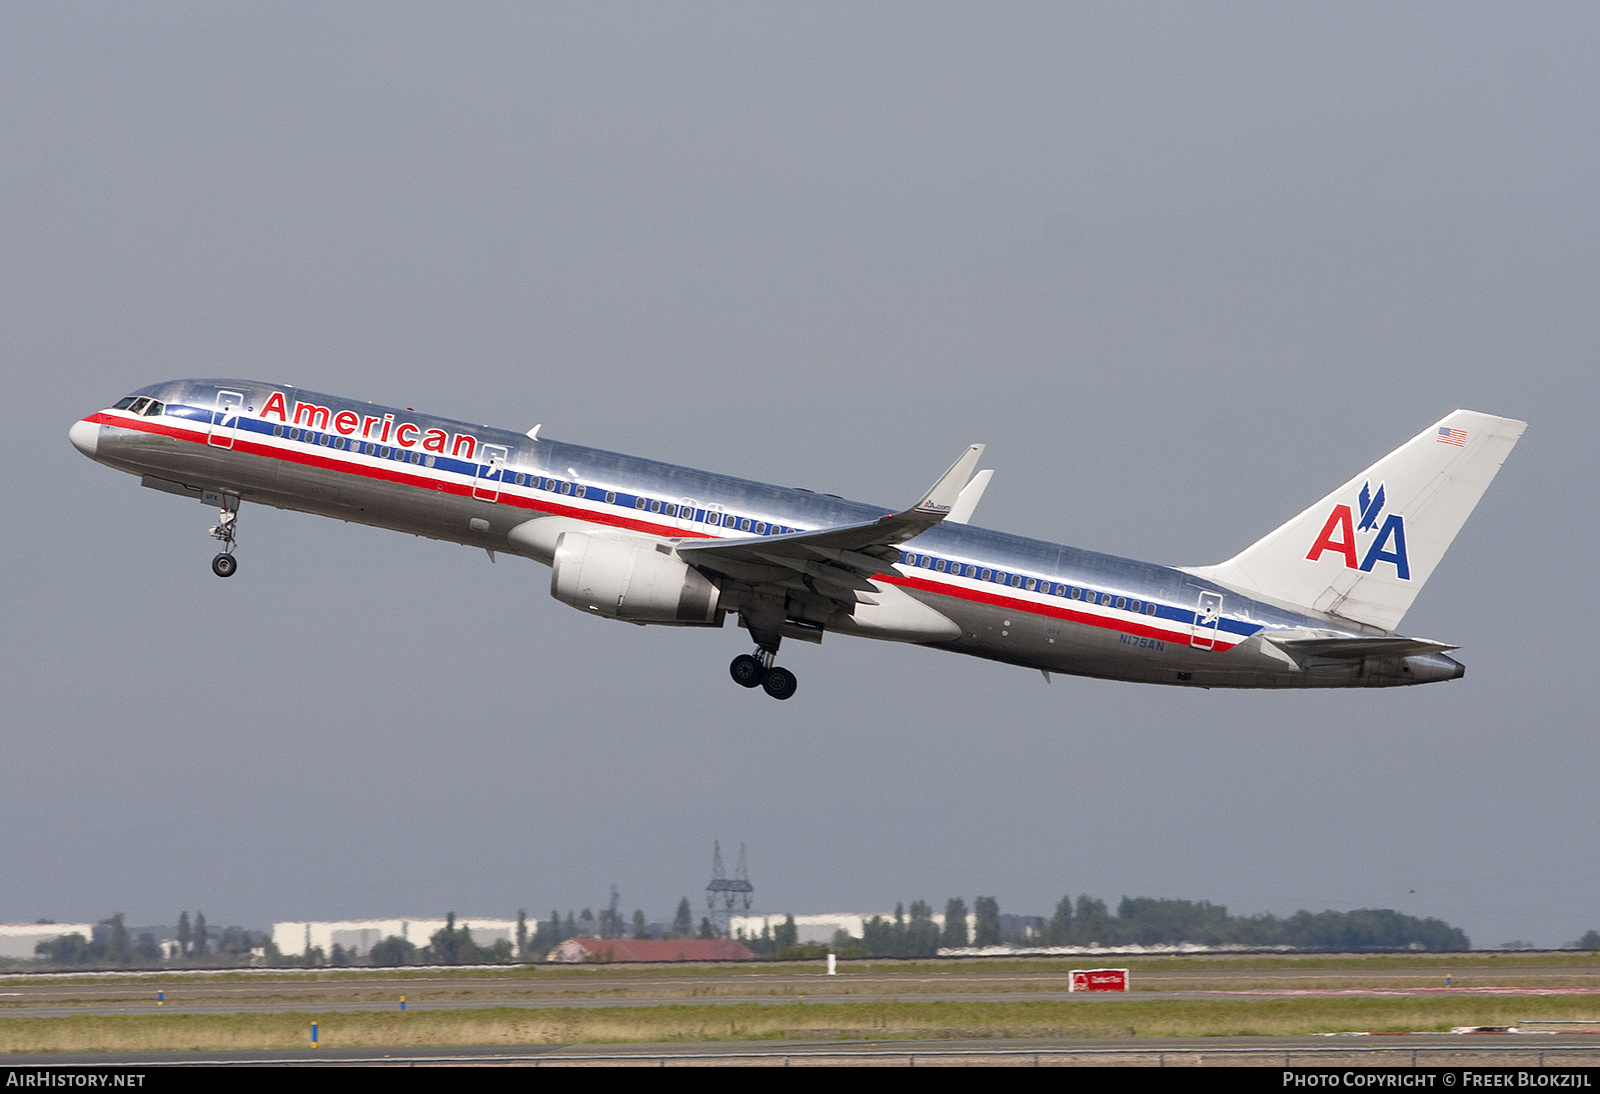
<point>749,671</point>
<point>225,564</point>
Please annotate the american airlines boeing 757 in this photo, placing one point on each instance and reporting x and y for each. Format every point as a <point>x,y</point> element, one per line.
<point>1315,603</point>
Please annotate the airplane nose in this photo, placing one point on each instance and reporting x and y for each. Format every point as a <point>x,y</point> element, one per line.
<point>85,437</point>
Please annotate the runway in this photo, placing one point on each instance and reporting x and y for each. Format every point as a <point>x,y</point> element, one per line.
<point>1441,1050</point>
<point>275,991</point>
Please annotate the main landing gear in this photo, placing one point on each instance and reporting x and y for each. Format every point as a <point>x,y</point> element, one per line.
<point>225,564</point>
<point>757,670</point>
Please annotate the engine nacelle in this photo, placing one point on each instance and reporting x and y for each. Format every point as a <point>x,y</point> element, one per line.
<point>635,580</point>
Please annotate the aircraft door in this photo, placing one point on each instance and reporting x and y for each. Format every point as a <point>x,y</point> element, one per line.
<point>225,418</point>
<point>685,517</point>
<point>1207,616</point>
<point>486,487</point>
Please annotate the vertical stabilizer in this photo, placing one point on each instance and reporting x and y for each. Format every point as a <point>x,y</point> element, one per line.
<point>1364,551</point>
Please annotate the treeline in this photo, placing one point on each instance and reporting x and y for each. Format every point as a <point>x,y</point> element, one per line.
<point>1146,921</point>
<point>112,945</point>
<point>546,935</point>
<point>452,945</point>
<point>449,945</point>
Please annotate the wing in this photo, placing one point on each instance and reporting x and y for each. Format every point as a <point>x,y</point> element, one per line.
<point>832,563</point>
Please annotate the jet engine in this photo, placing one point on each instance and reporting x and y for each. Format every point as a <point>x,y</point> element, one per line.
<point>631,579</point>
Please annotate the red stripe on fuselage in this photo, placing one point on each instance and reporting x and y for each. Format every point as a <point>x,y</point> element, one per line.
<point>380,473</point>
<point>245,444</point>
<point>1032,607</point>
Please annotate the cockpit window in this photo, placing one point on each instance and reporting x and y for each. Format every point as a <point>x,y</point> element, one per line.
<point>139,404</point>
<point>154,409</point>
<point>123,404</point>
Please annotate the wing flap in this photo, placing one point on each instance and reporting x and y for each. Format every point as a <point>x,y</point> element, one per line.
<point>1353,649</point>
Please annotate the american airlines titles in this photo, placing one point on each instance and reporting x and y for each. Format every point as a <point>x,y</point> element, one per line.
<point>351,424</point>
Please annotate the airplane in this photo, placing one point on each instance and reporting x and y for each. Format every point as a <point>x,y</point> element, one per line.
<point>1313,604</point>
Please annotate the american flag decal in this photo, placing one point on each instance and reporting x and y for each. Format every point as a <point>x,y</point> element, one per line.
<point>1457,437</point>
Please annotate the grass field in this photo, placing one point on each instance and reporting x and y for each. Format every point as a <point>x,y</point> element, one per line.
<point>889,1020</point>
<point>823,1017</point>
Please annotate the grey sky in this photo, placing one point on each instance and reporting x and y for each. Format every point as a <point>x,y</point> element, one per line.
<point>1184,268</point>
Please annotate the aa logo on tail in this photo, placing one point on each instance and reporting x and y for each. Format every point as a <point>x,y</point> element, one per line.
<point>1387,545</point>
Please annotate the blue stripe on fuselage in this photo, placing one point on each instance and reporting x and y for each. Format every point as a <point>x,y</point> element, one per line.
<point>781,508</point>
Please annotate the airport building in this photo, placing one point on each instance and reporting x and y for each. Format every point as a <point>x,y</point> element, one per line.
<point>19,939</point>
<point>578,950</point>
<point>821,928</point>
<point>360,935</point>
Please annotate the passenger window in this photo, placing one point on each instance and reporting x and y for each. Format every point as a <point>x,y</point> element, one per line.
<point>761,528</point>
<point>611,497</point>
<point>123,404</point>
<point>1149,609</point>
<point>1061,590</point>
<point>1030,585</point>
<point>744,524</point>
<point>638,503</point>
<point>655,506</point>
<point>1122,602</point>
<point>1016,581</point>
<point>940,565</point>
<point>580,491</point>
<point>986,575</point>
<point>277,431</point>
<point>1105,598</point>
<point>428,460</point>
<point>566,488</point>
<point>416,457</point>
<point>1133,605</point>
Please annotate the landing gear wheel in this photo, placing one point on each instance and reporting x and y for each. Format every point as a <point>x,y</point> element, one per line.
<point>780,682</point>
<point>746,671</point>
<point>224,532</point>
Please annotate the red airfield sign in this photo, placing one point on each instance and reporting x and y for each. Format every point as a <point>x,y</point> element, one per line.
<point>1098,980</point>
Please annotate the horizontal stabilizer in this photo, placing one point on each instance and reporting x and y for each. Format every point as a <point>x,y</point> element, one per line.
<point>1353,649</point>
<point>1364,551</point>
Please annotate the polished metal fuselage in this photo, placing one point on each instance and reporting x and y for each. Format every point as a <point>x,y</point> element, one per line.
<point>1027,602</point>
